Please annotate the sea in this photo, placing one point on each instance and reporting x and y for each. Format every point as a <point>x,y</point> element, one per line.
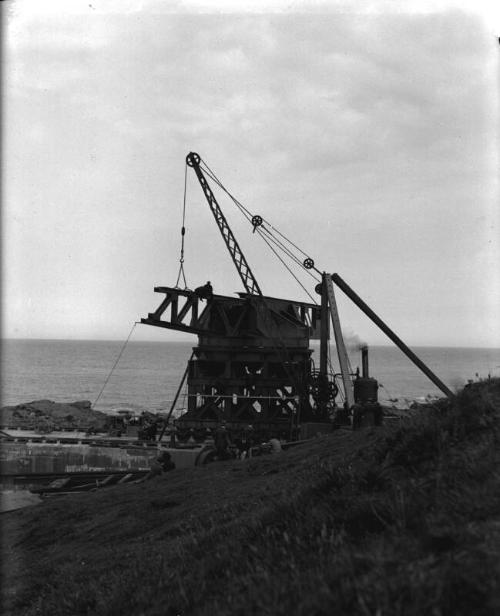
<point>144,376</point>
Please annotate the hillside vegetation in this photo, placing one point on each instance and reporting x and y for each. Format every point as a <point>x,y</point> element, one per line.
<point>402,519</point>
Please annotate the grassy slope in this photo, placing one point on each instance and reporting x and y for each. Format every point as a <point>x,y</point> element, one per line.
<point>403,519</point>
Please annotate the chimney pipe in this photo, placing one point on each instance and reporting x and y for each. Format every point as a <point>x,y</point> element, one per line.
<point>364,362</point>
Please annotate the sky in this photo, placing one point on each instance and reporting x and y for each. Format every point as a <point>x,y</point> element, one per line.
<point>366,132</point>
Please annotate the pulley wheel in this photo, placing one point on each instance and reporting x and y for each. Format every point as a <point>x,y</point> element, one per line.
<point>192,159</point>
<point>319,288</point>
<point>256,221</point>
<point>333,390</point>
<point>308,263</point>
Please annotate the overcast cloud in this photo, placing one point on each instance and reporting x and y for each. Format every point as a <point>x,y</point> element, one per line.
<point>369,138</point>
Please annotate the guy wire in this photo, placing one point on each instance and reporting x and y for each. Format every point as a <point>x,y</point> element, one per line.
<point>115,364</point>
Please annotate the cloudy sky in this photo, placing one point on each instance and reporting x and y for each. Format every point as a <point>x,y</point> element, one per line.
<point>366,132</point>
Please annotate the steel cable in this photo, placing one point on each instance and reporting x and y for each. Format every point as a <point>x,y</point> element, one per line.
<point>268,240</point>
<point>247,214</point>
<point>183,233</point>
<point>115,364</point>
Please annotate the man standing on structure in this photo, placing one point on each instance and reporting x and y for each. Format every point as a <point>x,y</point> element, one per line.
<point>205,292</point>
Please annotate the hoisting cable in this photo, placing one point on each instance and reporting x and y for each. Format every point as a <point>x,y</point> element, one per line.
<point>271,237</point>
<point>116,363</point>
<point>289,270</point>
<point>284,248</point>
<point>183,233</point>
<point>267,312</point>
<point>288,252</point>
<point>285,238</point>
<point>212,175</point>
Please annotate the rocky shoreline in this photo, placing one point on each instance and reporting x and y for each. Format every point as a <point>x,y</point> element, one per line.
<point>46,416</point>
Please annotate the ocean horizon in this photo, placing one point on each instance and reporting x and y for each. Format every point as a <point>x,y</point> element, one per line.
<point>148,373</point>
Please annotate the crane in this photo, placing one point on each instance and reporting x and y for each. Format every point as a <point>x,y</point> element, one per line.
<point>249,282</point>
<point>253,362</point>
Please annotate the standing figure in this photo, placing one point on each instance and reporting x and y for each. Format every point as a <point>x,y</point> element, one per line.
<point>222,443</point>
<point>204,292</point>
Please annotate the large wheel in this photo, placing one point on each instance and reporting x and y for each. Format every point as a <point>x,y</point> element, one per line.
<point>206,455</point>
<point>323,391</point>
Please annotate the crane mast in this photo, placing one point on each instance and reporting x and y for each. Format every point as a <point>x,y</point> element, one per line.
<point>249,282</point>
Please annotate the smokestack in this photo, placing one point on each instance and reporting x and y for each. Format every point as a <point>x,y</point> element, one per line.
<point>364,362</point>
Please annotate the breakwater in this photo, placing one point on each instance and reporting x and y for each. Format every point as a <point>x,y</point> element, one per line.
<point>28,457</point>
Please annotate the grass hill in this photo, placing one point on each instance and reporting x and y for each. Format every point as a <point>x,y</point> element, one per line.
<point>402,519</point>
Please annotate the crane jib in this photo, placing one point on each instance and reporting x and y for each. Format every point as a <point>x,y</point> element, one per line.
<point>249,282</point>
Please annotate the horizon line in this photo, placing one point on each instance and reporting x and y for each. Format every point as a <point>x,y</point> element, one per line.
<point>186,341</point>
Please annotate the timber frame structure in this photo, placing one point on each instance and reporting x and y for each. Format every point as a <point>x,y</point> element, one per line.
<point>252,364</point>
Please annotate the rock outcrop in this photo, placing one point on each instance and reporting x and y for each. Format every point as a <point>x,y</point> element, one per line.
<point>46,415</point>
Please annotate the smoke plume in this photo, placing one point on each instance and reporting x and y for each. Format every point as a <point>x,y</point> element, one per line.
<point>352,341</point>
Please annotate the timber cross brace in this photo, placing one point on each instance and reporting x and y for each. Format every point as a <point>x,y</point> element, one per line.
<point>240,317</point>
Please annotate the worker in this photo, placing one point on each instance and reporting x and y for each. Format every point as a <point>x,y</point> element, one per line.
<point>246,442</point>
<point>149,432</point>
<point>205,292</point>
<point>275,445</point>
<point>162,464</point>
<point>173,432</point>
<point>222,442</point>
<point>166,462</point>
